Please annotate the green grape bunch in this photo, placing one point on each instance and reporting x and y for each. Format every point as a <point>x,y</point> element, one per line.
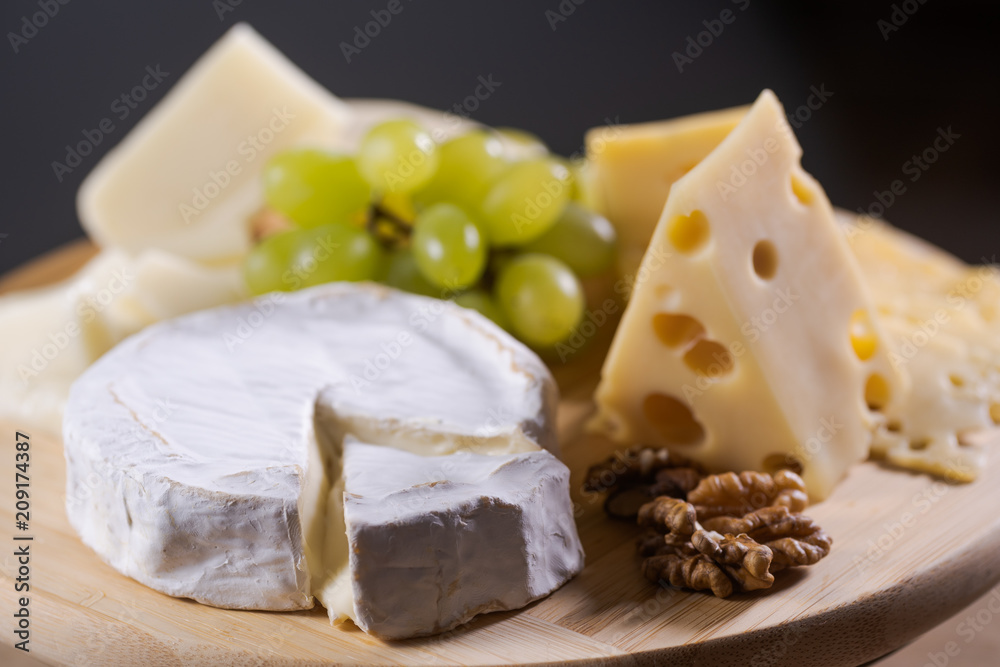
<point>489,219</point>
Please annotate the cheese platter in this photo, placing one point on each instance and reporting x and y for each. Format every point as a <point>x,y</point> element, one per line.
<point>573,423</point>
<point>910,552</point>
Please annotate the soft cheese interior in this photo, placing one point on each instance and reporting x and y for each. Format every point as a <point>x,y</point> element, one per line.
<point>211,469</point>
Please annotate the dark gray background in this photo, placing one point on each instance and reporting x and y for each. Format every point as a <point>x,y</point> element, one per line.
<point>607,59</point>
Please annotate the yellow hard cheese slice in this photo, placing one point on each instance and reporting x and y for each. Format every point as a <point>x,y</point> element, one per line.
<point>631,168</point>
<point>187,178</point>
<point>749,342</point>
<point>944,326</point>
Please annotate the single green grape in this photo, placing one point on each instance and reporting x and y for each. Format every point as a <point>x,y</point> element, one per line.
<point>402,273</point>
<point>525,201</point>
<point>267,262</point>
<point>448,247</point>
<point>581,238</point>
<point>397,156</point>
<point>313,188</point>
<point>332,253</point>
<point>541,298</point>
<point>467,166</point>
<point>479,300</point>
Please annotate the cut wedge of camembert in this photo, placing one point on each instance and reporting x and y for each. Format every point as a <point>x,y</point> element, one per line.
<point>417,526</point>
<point>205,453</point>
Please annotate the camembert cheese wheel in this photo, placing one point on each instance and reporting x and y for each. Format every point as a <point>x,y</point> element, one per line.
<point>204,458</point>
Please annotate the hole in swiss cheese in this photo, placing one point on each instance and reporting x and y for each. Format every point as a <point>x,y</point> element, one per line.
<point>675,330</point>
<point>876,392</point>
<point>765,259</point>
<point>863,338</point>
<point>709,359</point>
<point>802,191</point>
<point>688,233</point>
<point>673,419</point>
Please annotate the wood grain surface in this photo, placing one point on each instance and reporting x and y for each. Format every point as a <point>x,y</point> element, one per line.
<point>909,552</point>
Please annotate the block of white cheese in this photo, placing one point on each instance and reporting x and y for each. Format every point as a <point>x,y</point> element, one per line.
<point>186,179</point>
<point>45,342</point>
<point>54,333</point>
<point>157,286</point>
<point>630,169</point>
<point>750,342</point>
<point>941,317</point>
<point>499,529</point>
<point>202,452</point>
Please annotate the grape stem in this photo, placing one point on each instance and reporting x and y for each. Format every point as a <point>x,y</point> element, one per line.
<point>403,229</point>
<point>389,239</point>
<point>380,212</point>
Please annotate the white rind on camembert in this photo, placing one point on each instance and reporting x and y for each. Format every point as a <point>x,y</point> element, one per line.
<point>484,522</point>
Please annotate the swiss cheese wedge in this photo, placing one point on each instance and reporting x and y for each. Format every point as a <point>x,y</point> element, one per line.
<point>749,341</point>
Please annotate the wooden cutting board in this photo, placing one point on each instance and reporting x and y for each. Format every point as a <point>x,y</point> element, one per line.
<point>909,551</point>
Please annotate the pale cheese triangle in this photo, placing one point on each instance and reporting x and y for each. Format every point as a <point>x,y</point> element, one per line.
<point>186,179</point>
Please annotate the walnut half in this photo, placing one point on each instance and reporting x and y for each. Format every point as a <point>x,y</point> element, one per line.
<point>746,561</point>
<point>669,515</point>
<point>793,538</point>
<point>732,494</point>
<point>700,547</point>
<point>639,466</point>
<point>696,572</point>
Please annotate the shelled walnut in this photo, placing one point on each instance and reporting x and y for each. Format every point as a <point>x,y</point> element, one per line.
<point>724,533</point>
<point>638,465</point>
<point>638,475</point>
<point>731,494</point>
<point>794,539</point>
<point>669,515</point>
<point>696,572</point>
